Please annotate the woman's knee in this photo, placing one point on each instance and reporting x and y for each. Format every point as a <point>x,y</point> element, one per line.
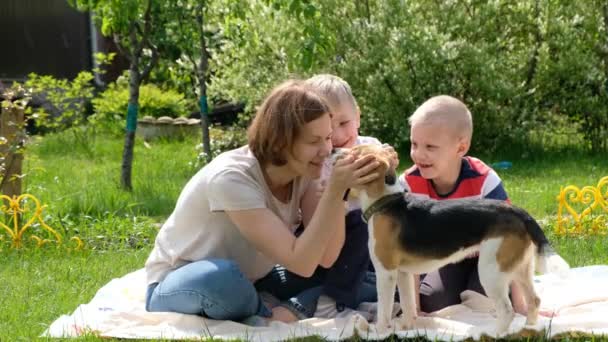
<point>215,288</point>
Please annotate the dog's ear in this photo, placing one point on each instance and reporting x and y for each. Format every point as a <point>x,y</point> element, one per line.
<point>388,156</point>
<point>376,188</point>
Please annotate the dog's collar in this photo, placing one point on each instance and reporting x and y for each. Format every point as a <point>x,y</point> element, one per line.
<point>380,203</point>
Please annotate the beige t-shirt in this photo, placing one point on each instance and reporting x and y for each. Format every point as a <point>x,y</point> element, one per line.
<point>199,228</point>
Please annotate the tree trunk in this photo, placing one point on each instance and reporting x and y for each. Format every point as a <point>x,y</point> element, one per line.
<point>202,73</point>
<point>127,155</point>
<point>11,126</point>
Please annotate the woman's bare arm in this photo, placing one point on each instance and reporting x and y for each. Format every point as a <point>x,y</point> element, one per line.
<point>303,254</point>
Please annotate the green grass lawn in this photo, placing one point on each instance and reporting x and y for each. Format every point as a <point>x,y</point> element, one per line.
<point>40,285</point>
<point>78,180</point>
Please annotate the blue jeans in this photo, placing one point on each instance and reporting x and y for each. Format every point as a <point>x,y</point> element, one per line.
<point>214,288</point>
<point>295,293</point>
<point>208,287</point>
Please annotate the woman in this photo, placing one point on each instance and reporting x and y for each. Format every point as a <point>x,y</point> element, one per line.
<point>236,218</point>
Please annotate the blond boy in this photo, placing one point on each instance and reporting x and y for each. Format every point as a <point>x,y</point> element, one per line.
<point>346,280</point>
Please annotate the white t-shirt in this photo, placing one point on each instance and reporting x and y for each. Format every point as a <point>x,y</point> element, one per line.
<point>353,203</point>
<point>200,229</point>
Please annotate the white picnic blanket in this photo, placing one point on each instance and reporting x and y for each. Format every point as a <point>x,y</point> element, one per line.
<point>117,310</point>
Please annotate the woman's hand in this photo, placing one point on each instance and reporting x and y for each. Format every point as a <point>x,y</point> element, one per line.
<point>352,170</point>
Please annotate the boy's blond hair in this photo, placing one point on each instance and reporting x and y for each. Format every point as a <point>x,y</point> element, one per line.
<point>334,89</point>
<point>448,110</point>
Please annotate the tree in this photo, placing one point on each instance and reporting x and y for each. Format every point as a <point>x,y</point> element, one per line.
<point>137,29</point>
<point>186,30</point>
<point>263,42</point>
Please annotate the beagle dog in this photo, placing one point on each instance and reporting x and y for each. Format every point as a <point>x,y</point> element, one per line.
<point>410,236</point>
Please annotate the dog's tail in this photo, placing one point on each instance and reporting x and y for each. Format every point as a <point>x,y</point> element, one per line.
<point>550,262</point>
<point>547,260</point>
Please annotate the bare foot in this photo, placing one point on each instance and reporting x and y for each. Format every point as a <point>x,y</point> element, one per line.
<point>548,313</point>
<point>281,314</point>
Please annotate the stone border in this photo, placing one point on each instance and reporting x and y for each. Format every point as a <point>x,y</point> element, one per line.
<point>167,127</point>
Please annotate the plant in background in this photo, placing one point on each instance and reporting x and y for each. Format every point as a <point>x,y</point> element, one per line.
<point>111,105</point>
<point>109,230</point>
<point>137,29</point>
<point>221,140</point>
<point>66,100</point>
<point>265,42</point>
<point>517,66</point>
<point>62,104</point>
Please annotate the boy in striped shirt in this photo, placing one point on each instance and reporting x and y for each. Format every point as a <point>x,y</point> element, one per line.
<point>440,136</point>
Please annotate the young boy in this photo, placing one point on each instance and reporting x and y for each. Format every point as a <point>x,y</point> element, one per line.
<point>440,135</point>
<point>346,281</point>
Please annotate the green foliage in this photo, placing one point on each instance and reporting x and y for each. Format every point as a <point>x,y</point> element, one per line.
<point>573,68</point>
<point>137,29</point>
<point>107,231</point>
<point>263,43</point>
<point>521,67</point>
<point>68,99</point>
<point>526,70</point>
<point>144,19</point>
<point>221,139</point>
<point>153,101</point>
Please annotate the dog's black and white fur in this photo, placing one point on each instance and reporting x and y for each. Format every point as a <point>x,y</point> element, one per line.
<point>409,236</point>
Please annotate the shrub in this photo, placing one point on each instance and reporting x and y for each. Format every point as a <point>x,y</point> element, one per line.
<point>221,139</point>
<point>517,66</point>
<point>153,101</point>
<point>60,103</point>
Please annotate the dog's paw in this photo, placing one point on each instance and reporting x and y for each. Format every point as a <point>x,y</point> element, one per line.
<point>362,325</point>
<point>384,327</point>
<point>502,326</point>
<point>364,328</point>
<point>531,319</point>
<point>405,322</point>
